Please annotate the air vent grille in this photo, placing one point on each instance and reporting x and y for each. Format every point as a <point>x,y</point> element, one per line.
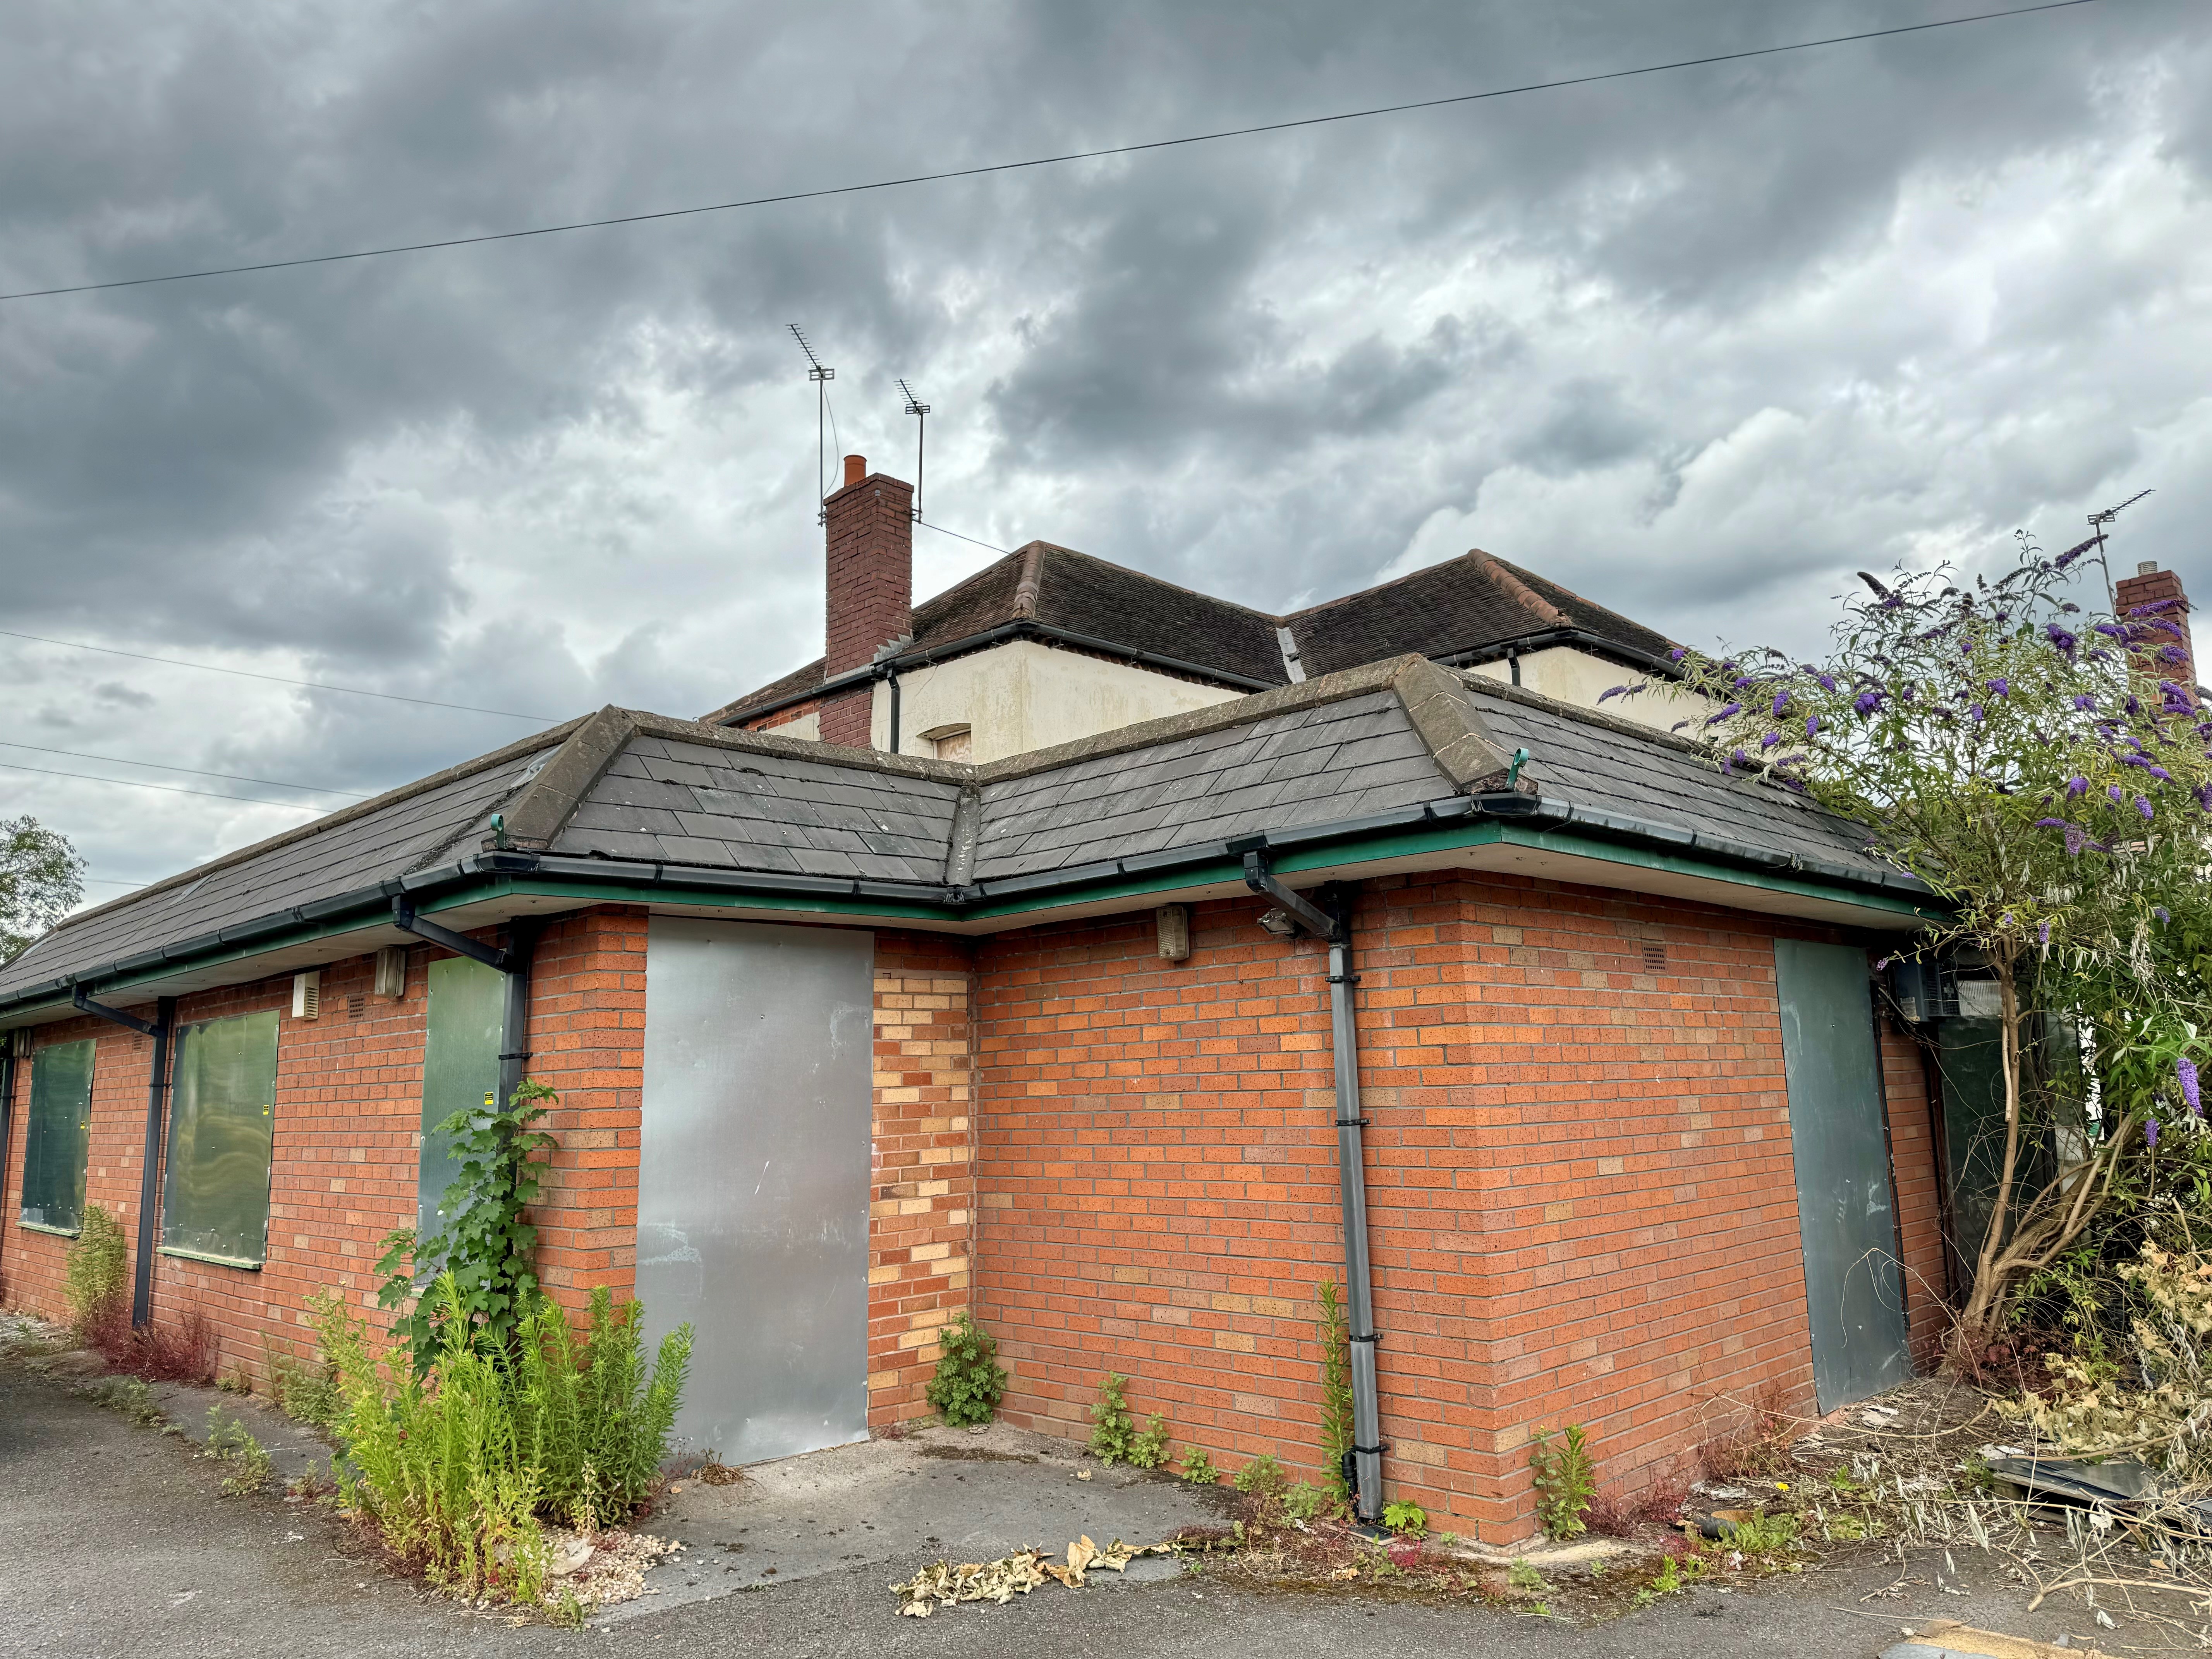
<point>1655,958</point>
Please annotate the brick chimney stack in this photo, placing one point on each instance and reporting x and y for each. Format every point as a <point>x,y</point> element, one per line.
<point>2148,586</point>
<point>869,536</point>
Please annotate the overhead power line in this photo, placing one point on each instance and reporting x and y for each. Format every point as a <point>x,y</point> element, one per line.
<point>166,788</point>
<point>278,679</point>
<point>1059,160</point>
<point>194,771</point>
<point>957,536</point>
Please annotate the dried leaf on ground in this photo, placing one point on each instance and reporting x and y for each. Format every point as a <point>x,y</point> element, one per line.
<point>942,1585</point>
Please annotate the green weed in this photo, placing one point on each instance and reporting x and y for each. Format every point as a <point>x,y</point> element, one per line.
<point>1406,1520</point>
<point>1262,1478</point>
<point>229,1442</point>
<point>1198,1468</point>
<point>969,1381</point>
<point>1565,1481</point>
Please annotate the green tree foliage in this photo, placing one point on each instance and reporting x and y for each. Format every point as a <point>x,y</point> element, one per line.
<point>969,1381</point>
<point>488,1245</point>
<point>2045,773</point>
<point>41,881</point>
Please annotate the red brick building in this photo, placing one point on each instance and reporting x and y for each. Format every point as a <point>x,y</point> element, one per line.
<point>846,1040</point>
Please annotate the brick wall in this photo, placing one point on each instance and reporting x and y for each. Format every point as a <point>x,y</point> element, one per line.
<point>343,1167</point>
<point>1582,1201</point>
<point>922,1201</point>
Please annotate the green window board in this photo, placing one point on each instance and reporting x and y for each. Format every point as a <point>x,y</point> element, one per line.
<point>222,1119</point>
<point>58,1135</point>
<point>460,1066</point>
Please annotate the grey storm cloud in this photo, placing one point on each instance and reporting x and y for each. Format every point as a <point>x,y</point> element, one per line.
<point>1694,341</point>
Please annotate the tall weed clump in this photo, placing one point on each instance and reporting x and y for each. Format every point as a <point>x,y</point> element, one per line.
<point>594,1420</point>
<point>94,1273</point>
<point>96,1278</point>
<point>460,1466</point>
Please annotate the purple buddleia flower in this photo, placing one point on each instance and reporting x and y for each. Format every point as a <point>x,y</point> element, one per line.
<point>2158,772</point>
<point>2043,935</point>
<point>1974,712</point>
<point>1812,726</point>
<point>1827,681</point>
<point>2185,1070</point>
<point>2111,629</point>
<point>2077,785</point>
<point>1676,654</point>
<point>2112,790</point>
<point>1742,680</point>
<point>1781,702</point>
<point>1733,708</point>
<point>2070,555</point>
<point>2163,914</point>
<point>2076,839</point>
<point>2083,700</point>
<point>2101,656</point>
<point>2135,705</point>
<point>1615,692</point>
<point>1769,740</point>
<point>2143,806</point>
<point>2000,687</point>
<point>2205,796</point>
<point>2173,654</point>
<point>1966,647</point>
<point>2050,823</point>
<point>2150,1133</point>
<point>1866,702</point>
<point>2059,637</point>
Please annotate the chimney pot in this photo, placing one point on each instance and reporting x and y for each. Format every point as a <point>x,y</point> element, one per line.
<point>2148,567</point>
<point>856,468</point>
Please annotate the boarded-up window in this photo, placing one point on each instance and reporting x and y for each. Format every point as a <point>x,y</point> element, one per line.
<point>222,1117</point>
<point>58,1134</point>
<point>460,1066</point>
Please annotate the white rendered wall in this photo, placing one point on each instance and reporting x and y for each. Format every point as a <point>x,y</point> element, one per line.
<point>1023,695</point>
<point>1575,676</point>
<point>807,726</point>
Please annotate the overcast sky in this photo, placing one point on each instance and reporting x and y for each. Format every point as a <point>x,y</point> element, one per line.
<point>1697,344</point>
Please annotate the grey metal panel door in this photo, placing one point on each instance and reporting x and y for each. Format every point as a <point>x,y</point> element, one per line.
<point>754,1165</point>
<point>1846,1211</point>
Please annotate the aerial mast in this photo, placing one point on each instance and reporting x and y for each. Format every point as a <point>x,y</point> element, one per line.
<point>821,377</point>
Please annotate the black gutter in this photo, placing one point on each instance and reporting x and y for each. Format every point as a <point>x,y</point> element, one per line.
<point>906,661</point>
<point>366,905</point>
<point>1544,639</point>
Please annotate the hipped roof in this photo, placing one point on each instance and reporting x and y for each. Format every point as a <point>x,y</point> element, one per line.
<point>1463,608</point>
<point>663,805</point>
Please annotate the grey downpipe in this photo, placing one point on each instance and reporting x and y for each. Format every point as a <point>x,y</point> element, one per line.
<point>1334,926</point>
<point>514,1022</point>
<point>9,1040</point>
<point>1352,1178</point>
<point>149,1177</point>
<point>161,1029</point>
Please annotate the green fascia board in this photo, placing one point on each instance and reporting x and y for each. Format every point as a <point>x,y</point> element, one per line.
<point>1460,837</point>
<point>1443,839</point>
